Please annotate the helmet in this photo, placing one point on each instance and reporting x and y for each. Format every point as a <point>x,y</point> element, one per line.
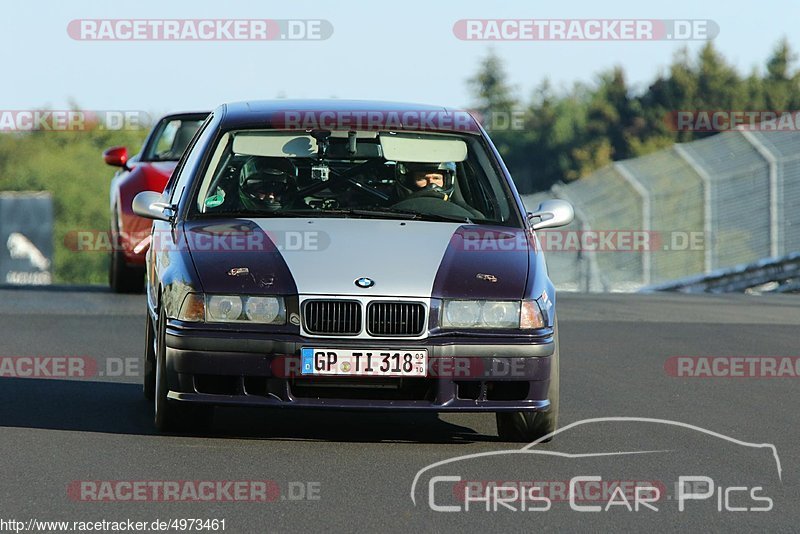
<point>410,173</point>
<point>264,185</point>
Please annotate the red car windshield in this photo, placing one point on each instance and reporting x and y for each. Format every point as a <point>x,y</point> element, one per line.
<point>171,139</point>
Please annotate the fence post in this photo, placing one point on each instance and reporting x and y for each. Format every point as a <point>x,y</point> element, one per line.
<point>775,237</point>
<point>707,211</point>
<point>647,258</point>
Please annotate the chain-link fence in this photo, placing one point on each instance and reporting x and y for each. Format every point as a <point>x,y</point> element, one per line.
<point>729,199</point>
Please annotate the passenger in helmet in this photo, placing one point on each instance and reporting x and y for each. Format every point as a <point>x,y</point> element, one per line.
<point>267,185</point>
<point>422,186</point>
<point>427,179</point>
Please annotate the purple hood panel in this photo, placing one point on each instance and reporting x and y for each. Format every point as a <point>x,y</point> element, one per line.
<point>237,257</point>
<point>484,263</point>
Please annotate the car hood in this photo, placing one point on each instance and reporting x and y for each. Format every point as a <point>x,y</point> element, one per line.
<point>325,256</point>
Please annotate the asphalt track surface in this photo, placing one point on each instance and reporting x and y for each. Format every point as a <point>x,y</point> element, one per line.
<point>359,468</point>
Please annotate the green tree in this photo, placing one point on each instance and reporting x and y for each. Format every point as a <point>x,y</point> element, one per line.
<point>490,87</point>
<point>719,86</point>
<point>780,84</point>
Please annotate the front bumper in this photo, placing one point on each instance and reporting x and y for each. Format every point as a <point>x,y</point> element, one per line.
<point>469,375</point>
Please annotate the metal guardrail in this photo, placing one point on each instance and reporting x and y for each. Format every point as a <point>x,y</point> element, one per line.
<point>739,191</point>
<point>770,275</point>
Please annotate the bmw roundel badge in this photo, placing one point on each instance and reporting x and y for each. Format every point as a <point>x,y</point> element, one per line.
<point>364,282</point>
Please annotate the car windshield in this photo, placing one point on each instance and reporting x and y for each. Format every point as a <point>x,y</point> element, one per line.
<point>428,176</point>
<point>171,139</point>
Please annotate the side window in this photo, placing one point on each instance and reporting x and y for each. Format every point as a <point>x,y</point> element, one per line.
<point>491,194</point>
<point>188,162</point>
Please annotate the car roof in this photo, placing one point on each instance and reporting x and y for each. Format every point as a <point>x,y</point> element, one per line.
<point>185,115</point>
<point>271,113</point>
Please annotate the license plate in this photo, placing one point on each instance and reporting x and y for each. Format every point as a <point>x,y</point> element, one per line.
<point>346,362</point>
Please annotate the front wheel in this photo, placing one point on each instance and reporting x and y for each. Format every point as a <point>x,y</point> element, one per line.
<point>149,382</point>
<point>530,426</point>
<point>170,415</point>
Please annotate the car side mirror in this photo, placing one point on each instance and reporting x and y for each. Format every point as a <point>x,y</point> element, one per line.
<point>117,157</point>
<point>551,214</point>
<point>152,205</point>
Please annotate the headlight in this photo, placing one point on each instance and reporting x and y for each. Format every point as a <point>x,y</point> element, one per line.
<point>501,314</point>
<point>233,309</point>
<point>492,314</point>
<point>462,313</point>
<point>224,308</point>
<point>265,310</point>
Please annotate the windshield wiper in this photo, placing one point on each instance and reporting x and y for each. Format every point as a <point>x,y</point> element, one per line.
<point>385,214</point>
<point>431,216</point>
<point>402,214</point>
<point>396,214</point>
<point>258,214</point>
<point>345,212</point>
<point>332,212</point>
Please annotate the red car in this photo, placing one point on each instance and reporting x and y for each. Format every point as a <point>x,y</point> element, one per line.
<point>148,170</point>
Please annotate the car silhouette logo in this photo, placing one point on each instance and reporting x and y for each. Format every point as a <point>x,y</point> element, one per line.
<point>365,282</point>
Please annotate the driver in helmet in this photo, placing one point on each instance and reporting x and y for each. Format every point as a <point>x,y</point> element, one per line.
<point>428,179</point>
<point>267,185</point>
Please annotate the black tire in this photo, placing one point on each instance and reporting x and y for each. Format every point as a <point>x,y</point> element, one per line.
<point>170,415</point>
<point>149,379</point>
<point>122,278</point>
<point>530,426</point>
